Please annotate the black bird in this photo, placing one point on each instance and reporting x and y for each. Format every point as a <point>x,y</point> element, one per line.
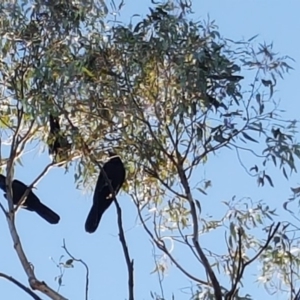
<point>59,147</point>
<point>32,202</point>
<point>103,197</point>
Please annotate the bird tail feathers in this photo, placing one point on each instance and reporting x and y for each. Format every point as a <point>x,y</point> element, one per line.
<point>95,214</point>
<point>46,213</point>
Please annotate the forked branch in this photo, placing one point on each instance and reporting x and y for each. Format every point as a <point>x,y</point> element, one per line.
<point>242,264</point>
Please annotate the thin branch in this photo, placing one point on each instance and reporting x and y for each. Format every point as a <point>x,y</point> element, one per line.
<point>297,296</point>
<point>3,209</point>
<point>84,264</point>
<point>30,187</point>
<point>187,243</point>
<point>242,164</point>
<point>129,261</point>
<point>10,217</point>
<point>155,175</point>
<point>236,281</point>
<point>161,245</point>
<point>34,283</point>
<point>160,277</point>
<point>264,247</point>
<point>21,286</point>
<point>243,265</point>
<point>206,263</point>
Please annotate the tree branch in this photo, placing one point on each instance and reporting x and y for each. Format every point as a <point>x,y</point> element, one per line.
<point>34,283</point>
<point>10,217</point>
<point>206,264</point>
<point>21,286</point>
<point>86,268</point>
<point>242,265</point>
<point>129,261</point>
<point>161,246</point>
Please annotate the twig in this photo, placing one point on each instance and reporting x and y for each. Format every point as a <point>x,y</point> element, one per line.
<point>187,243</point>
<point>160,278</point>
<point>161,245</point>
<point>21,286</point>
<point>235,282</point>
<point>297,296</point>
<point>30,187</point>
<point>86,268</point>
<point>264,247</point>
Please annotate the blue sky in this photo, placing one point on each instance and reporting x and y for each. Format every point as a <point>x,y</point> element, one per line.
<point>274,22</point>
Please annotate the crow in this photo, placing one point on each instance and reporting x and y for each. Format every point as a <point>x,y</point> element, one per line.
<point>59,147</point>
<point>32,202</point>
<point>103,197</point>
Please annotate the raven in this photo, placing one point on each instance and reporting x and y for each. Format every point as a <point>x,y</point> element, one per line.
<point>32,202</point>
<point>59,147</point>
<point>103,196</point>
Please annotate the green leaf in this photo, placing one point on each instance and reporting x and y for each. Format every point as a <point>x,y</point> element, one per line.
<point>201,191</point>
<point>248,137</point>
<point>269,179</point>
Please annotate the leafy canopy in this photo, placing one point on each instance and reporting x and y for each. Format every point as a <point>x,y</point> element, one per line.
<point>166,94</point>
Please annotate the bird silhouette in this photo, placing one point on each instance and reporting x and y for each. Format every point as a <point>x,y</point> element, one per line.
<point>59,147</point>
<point>32,202</point>
<point>103,197</point>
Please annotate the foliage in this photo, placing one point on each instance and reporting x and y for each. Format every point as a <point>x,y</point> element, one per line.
<point>167,94</point>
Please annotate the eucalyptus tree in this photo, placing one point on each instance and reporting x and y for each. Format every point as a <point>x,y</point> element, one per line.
<point>166,94</point>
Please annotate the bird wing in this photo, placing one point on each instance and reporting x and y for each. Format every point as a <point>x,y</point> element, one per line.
<point>19,189</point>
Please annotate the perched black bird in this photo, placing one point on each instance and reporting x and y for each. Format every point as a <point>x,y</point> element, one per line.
<point>103,197</point>
<point>31,203</point>
<point>59,147</point>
